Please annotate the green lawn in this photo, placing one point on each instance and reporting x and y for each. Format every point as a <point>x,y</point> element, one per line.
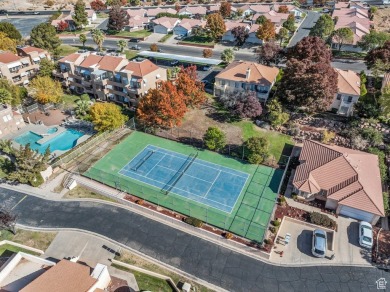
<point>276,140</point>
<point>84,30</point>
<point>102,15</point>
<point>135,34</point>
<point>67,50</point>
<point>203,40</point>
<point>39,240</point>
<point>251,210</point>
<point>131,54</point>
<point>69,100</point>
<point>82,193</point>
<point>165,38</point>
<point>7,250</point>
<point>146,282</point>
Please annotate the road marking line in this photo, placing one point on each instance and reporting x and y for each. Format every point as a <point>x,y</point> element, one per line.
<point>19,202</point>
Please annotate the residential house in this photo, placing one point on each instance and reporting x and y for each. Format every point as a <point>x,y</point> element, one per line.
<point>215,9</point>
<point>228,36</point>
<point>357,20</point>
<point>164,24</point>
<point>109,77</point>
<point>152,13</point>
<point>276,18</point>
<point>64,18</point>
<point>35,54</point>
<point>186,25</point>
<point>137,23</point>
<point>349,181</point>
<point>292,9</point>
<point>19,69</point>
<point>248,76</point>
<point>91,17</point>
<point>252,35</point>
<point>348,92</point>
<point>191,11</point>
<point>254,9</point>
<point>136,12</point>
<point>10,121</point>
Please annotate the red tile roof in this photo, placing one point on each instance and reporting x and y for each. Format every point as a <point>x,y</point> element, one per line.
<point>30,49</point>
<point>141,69</point>
<point>91,60</point>
<point>348,176</point>
<point>111,63</point>
<point>8,57</point>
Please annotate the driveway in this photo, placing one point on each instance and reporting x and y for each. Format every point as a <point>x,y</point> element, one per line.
<point>213,263</point>
<point>154,38</point>
<point>304,29</point>
<point>346,246</point>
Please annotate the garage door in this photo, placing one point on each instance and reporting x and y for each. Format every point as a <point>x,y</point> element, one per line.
<point>160,29</point>
<point>356,214</point>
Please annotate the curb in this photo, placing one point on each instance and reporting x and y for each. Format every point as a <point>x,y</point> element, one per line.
<point>138,253</point>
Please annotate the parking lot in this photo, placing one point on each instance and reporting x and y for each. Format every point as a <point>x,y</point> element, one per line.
<point>298,250</point>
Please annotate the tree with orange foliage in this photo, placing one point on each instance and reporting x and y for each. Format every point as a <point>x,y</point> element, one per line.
<point>162,107</point>
<point>283,9</point>
<point>266,31</point>
<point>207,53</point>
<point>62,26</point>
<point>188,84</point>
<point>225,9</point>
<point>215,25</point>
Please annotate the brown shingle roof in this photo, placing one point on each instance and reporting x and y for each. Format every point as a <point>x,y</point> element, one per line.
<point>141,69</point>
<point>63,277</point>
<point>110,63</point>
<point>8,57</point>
<point>348,82</point>
<point>30,49</point>
<point>349,176</point>
<point>91,60</point>
<point>259,74</point>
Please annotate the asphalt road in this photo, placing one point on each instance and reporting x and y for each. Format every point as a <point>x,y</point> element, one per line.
<point>215,264</point>
<point>304,29</point>
<point>25,24</point>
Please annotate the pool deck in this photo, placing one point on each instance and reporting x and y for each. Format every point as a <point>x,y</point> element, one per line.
<point>42,130</point>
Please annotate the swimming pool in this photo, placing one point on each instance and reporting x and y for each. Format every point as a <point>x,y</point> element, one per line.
<point>64,141</point>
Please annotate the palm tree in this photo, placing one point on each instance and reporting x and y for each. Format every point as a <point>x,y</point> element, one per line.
<point>122,44</point>
<point>83,39</point>
<point>82,107</point>
<point>98,37</point>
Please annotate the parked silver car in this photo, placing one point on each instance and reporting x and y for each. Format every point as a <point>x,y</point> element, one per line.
<point>319,243</point>
<point>365,234</point>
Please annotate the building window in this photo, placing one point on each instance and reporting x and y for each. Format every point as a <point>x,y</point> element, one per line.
<point>349,98</point>
<point>223,82</point>
<point>338,96</point>
<point>237,85</point>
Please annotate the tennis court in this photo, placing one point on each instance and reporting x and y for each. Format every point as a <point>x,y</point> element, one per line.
<point>219,190</point>
<point>207,183</point>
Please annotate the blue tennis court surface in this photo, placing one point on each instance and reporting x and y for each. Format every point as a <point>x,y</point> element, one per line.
<point>204,182</point>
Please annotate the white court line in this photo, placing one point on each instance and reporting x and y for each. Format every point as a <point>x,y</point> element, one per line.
<point>207,181</point>
<point>128,163</point>
<point>204,162</point>
<point>174,187</point>
<point>212,185</point>
<point>155,165</point>
<point>19,202</point>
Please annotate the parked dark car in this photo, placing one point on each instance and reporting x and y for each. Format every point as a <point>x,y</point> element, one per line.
<point>134,40</point>
<point>2,11</point>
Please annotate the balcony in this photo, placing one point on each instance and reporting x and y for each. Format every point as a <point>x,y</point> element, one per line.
<point>121,93</point>
<point>101,82</point>
<point>85,82</point>
<point>60,74</point>
<point>114,83</point>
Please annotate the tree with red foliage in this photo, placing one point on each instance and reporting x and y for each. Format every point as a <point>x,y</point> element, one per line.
<point>240,34</point>
<point>243,104</point>
<point>269,53</point>
<point>62,26</point>
<point>118,18</point>
<point>380,53</point>
<point>225,9</point>
<point>266,31</point>
<point>308,84</point>
<point>162,107</point>
<point>189,85</point>
<point>98,5</point>
<point>313,48</point>
<point>283,9</point>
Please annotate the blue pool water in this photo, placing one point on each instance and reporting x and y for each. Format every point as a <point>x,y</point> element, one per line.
<point>64,141</point>
<point>52,130</point>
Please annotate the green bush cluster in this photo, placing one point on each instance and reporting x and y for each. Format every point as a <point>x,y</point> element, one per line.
<point>193,221</point>
<point>276,223</point>
<point>321,219</point>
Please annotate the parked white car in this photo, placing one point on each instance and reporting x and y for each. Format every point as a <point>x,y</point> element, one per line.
<point>365,234</point>
<point>319,243</point>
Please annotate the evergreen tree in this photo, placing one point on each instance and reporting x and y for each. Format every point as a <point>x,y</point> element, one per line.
<point>80,16</point>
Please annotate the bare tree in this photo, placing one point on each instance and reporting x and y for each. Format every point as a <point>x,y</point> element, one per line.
<point>7,220</point>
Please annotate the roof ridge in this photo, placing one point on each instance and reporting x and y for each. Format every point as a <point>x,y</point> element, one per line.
<point>373,203</point>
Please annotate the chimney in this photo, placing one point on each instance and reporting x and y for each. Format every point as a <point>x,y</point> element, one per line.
<point>248,73</point>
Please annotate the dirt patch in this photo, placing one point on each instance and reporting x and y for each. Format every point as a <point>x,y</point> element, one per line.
<point>382,20</point>
<point>197,121</point>
<point>381,257</point>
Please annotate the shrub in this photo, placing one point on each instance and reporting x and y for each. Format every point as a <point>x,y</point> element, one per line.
<point>37,181</point>
<point>140,202</point>
<point>321,219</point>
<point>327,136</point>
<point>386,203</point>
<point>294,196</point>
<point>228,235</point>
<point>153,47</point>
<point>276,223</point>
<point>267,241</point>
<point>193,221</point>
<point>274,229</point>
